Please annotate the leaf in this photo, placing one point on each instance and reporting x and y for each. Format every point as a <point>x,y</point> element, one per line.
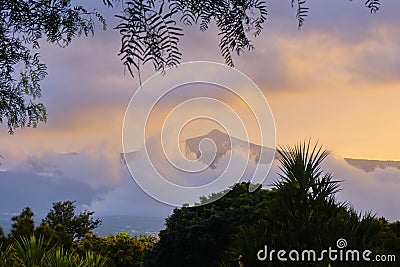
<point>148,35</point>
<point>373,5</point>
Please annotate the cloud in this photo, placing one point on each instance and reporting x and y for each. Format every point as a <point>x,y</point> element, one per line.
<point>39,181</point>
<point>375,191</point>
<point>94,170</point>
<point>128,199</point>
<point>20,189</point>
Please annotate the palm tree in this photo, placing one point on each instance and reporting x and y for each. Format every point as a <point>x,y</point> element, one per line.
<point>305,197</point>
<point>302,174</point>
<point>302,212</point>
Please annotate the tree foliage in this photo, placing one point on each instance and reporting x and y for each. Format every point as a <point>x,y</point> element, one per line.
<point>62,216</point>
<point>150,29</point>
<point>24,24</point>
<point>53,243</point>
<point>23,225</point>
<point>121,250</point>
<point>198,236</point>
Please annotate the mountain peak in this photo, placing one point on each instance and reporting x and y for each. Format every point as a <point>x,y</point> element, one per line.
<point>215,133</point>
<point>215,130</point>
<point>225,143</point>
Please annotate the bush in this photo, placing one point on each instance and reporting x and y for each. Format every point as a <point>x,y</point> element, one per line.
<point>38,252</point>
<point>121,250</point>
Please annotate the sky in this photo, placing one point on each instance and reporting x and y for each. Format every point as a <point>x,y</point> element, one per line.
<point>336,81</point>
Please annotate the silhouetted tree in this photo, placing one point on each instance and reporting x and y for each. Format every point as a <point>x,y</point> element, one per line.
<point>198,236</point>
<point>23,225</point>
<point>62,218</point>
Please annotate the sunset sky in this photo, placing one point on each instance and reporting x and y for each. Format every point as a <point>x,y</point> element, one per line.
<point>336,81</point>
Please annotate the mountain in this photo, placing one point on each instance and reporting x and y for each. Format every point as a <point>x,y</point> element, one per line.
<point>224,144</point>
<point>369,165</point>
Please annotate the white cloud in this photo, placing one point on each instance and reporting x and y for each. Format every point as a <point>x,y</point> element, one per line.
<point>376,191</point>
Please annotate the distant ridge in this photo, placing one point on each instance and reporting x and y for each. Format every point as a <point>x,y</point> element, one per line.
<point>369,165</point>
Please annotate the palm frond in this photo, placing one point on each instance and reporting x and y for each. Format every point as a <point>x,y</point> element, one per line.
<point>300,168</point>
